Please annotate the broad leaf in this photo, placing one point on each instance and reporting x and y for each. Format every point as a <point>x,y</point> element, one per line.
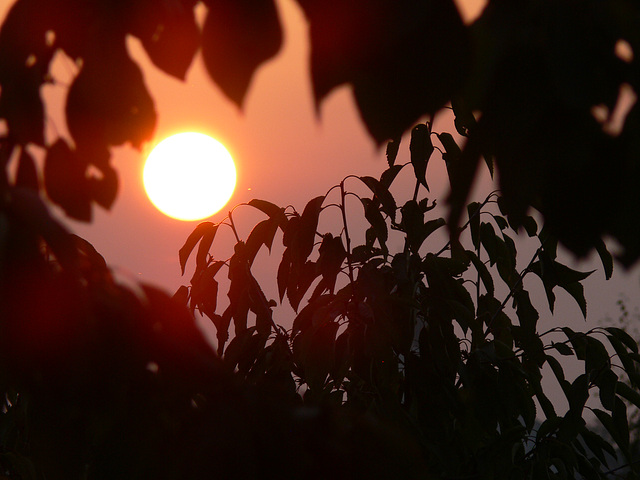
<point>191,242</point>
<point>421,149</point>
<point>66,182</point>
<point>169,33</point>
<point>382,194</point>
<point>237,38</point>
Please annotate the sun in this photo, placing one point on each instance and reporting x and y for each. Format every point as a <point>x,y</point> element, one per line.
<point>189,176</point>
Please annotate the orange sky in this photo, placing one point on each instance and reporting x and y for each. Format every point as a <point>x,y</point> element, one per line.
<point>283,152</point>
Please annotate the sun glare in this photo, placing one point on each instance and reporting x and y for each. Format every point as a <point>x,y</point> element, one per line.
<point>189,176</point>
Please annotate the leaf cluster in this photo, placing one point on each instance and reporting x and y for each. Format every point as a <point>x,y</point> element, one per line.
<point>533,77</point>
<point>442,342</point>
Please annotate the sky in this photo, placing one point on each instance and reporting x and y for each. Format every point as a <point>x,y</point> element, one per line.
<point>285,152</point>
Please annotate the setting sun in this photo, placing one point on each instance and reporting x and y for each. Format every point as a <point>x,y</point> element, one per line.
<point>189,176</point>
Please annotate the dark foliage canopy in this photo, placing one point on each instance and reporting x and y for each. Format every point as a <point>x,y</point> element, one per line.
<point>523,80</point>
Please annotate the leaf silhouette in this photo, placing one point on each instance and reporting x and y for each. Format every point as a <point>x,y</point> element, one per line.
<point>421,149</point>
<point>105,109</point>
<point>66,182</point>
<point>105,188</point>
<point>237,37</point>
<point>205,245</point>
<point>168,32</point>
<point>388,51</point>
<point>382,194</point>
<point>192,240</point>
<point>27,175</point>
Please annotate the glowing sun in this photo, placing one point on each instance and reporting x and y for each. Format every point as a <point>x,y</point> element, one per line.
<point>189,176</point>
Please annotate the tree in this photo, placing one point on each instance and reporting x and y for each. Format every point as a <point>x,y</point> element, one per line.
<point>441,341</point>
<point>414,354</point>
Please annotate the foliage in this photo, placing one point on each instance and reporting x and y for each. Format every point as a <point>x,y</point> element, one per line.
<point>401,363</point>
<point>423,338</point>
<point>534,74</point>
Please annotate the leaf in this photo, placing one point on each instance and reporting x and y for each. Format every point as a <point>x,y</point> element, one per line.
<point>562,348</point>
<point>596,356</point>
<point>473,211</point>
<point>597,445</point>
<point>27,175</point>
<point>382,194</point>
<point>421,149</point>
<point>262,234</point>
<point>30,210</point>
<point>624,337</point>
<point>392,151</point>
<point>388,51</point>
<point>66,182</point>
<point>105,188</point>
<point>272,210</point>
<point>530,226</point>
<point>168,32</point>
<point>205,244</point>
<point>606,258</point>
<point>192,240</point>
<point>607,382</point>
<point>332,254</point>
<point>237,37</point>
<point>483,272</point>
<point>305,238</point>
<point>578,341</point>
<point>628,393</point>
<point>389,175</point>
<point>104,109</point>
<point>376,220</point>
<point>284,271</point>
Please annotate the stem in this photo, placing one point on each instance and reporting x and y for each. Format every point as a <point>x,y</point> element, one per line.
<point>343,210</point>
<point>233,227</point>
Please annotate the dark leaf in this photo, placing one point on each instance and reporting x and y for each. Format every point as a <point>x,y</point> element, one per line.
<point>421,149</point>
<point>382,194</point>
<point>530,226</point>
<point>262,234</point>
<point>182,295</point>
<point>596,357</point>
<point>205,244</point>
<point>66,182</point>
<point>27,175</point>
<point>307,229</point>
<point>628,393</point>
<point>105,188</point>
<point>29,209</point>
<point>284,271</point>
<point>237,38</point>
<point>332,254</point>
<point>389,175</point>
<point>578,341</point>
<point>624,337</point>
<point>483,272</point>
<point>392,151</point>
<point>104,109</point>
<point>192,240</point>
<point>606,258</point>
<point>272,210</point>
<point>168,32</point>
<point>607,382</point>
<point>376,220</point>
<point>562,348</point>
<point>598,445</point>
<point>389,52</point>
<point>473,210</point>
